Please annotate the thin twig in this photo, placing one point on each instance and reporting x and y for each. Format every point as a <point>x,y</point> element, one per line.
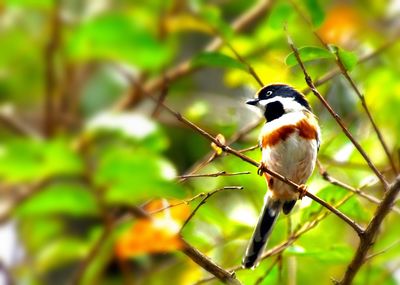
<point>225,276</point>
<point>107,231</point>
<point>334,114</point>
<point>245,62</point>
<point>267,272</point>
<point>161,98</point>
<point>278,249</point>
<point>17,126</point>
<point>245,20</point>
<point>368,238</point>
<point>213,155</point>
<point>327,177</point>
<point>396,243</point>
<point>345,73</point>
<point>324,79</point>
<point>249,148</point>
<point>50,69</point>
<point>247,159</point>
<point>218,272</point>
<point>216,174</point>
<point>203,201</point>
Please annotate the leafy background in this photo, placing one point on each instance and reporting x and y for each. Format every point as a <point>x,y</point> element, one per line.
<point>83,145</point>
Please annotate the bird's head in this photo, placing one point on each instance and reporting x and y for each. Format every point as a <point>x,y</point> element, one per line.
<point>276,100</point>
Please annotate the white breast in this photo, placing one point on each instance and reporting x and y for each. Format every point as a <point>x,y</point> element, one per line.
<point>293,157</point>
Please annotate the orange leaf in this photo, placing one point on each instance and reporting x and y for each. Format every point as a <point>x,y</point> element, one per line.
<point>157,235</point>
<point>341,25</point>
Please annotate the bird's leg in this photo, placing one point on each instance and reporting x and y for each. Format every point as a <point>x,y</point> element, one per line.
<point>302,191</point>
<point>261,168</point>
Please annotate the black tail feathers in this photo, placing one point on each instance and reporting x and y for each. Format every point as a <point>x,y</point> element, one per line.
<point>265,223</point>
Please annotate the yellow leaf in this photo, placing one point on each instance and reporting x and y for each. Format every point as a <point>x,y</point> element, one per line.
<point>217,149</point>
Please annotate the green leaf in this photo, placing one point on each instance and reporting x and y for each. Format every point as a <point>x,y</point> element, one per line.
<point>32,160</point>
<point>212,16</point>
<point>31,3</point>
<point>215,59</point>
<point>280,15</point>
<point>73,200</point>
<point>348,58</point>
<point>117,37</point>
<point>316,12</point>
<point>308,53</point>
<point>37,231</point>
<point>130,176</point>
<point>61,252</point>
<point>355,210</point>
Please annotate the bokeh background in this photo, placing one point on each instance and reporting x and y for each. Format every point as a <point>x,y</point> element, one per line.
<point>86,147</point>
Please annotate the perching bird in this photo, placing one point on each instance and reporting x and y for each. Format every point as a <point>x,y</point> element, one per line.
<point>289,142</point>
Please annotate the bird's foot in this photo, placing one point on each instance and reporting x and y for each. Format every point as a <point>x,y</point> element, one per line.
<point>261,169</point>
<point>302,191</point>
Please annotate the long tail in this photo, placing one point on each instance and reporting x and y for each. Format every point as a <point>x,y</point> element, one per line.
<point>266,221</point>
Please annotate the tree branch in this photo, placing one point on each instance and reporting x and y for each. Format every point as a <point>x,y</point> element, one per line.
<point>203,201</point>
<point>334,114</point>
<point>236,153</point>
<point>345,73</point>
<point>224,276</point>
<point>278,249</point>
<point>216,174</point>
<point>50,69</point>
<point>242,22</point>
<point>327,177</point>
<point>368,238</point>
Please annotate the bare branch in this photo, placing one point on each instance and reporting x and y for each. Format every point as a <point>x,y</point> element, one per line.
<point>17,126</point>
<point>78,275</point>
<point>278,249</point>
<point>345,73</point>
<point>393,245</point>
<point>242,22</point>
<point>326,176</point>
<point>368,238</point>
<point>334,114</point>
<point>268,271</point>
<point>203,201</point>
<point>50,69</point>
<point>216,174</point>
<point>225,276</point>
<point>249,148</point>
<point>228,149</point>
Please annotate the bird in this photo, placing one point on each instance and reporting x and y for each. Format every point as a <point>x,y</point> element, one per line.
<point>289,142</point>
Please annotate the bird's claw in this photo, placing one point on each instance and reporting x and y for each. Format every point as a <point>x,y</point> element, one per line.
<point>261,169</point>
<point>302,191</point>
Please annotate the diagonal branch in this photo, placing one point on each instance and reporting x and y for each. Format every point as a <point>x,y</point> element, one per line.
<point>327,177</point>
<point>345,73</point>
<point>359,230</point>
<point>278,249</point>
<point>203,201</point>
<point>216,174</point>
<point>241,23</point>
<point>335,115</point>
<point>368,238</point>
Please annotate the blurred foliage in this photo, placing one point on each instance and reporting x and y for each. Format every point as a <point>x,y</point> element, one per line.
<point>62,188</point>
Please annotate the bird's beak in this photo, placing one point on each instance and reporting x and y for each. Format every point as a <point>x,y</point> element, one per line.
<point>252,101</point>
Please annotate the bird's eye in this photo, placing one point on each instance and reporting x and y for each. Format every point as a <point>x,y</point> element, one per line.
<point>269,93</point>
